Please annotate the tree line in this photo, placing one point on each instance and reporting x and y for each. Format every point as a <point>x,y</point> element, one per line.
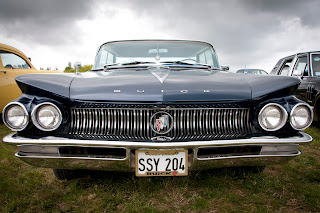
<point>84,68</point>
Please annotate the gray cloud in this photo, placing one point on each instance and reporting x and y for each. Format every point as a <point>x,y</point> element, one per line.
<point>44,21</point>
<point>239,29</point>
<point>243,31</point>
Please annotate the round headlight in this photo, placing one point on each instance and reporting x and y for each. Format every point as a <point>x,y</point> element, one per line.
<point>46,116</point>
<point>301,116</point>
<point>272,117</point>
<point>15,116</point>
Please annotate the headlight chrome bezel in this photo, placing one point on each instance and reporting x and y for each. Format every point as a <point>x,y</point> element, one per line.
<point>35,119</point>
<point>4,116</point>
<point>284,117</point>
<point>310,118</point>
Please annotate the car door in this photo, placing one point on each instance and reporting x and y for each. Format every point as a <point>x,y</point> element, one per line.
<point>314,86</point>
<point>301,69</point>
<point>5,92</point>
<point>11,66</point>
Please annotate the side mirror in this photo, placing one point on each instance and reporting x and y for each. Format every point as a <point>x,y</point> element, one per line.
<point>297,73</point>
<point>225,68</point>
<point>77,66</point>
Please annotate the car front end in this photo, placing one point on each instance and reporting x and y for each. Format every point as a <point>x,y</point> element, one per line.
<point>158,118</point>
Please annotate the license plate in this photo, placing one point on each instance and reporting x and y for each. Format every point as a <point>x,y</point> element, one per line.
<point>161,162</point>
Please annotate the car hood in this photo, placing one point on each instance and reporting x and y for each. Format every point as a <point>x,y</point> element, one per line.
<point>143,86</point>
<point>183,86</point>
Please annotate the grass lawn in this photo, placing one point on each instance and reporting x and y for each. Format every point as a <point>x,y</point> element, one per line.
<point>290,187</point>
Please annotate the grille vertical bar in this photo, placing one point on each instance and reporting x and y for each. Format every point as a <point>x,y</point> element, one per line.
<point>134,124</point>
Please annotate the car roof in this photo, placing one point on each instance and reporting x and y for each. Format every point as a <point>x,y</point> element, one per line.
<point>11,49</point>
<point>250,69</point>
<point>157,40</point>
<point>299,53</point>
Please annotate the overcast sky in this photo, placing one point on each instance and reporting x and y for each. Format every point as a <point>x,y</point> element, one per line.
<point>251,33</point>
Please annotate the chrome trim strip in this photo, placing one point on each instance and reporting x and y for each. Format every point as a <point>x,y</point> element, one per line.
<point>49,156</point>
<point>13,139</point>
<point>129,165</point>
<point>125,159</point>
<point>250,156</point>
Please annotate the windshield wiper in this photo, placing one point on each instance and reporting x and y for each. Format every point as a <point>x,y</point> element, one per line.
<point>106,66</point>
<point>186,63</point>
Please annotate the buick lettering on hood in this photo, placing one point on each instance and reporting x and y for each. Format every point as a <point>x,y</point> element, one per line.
<point>156,108</point>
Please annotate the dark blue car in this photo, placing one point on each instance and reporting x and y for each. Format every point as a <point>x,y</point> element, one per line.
<point>156,108</point>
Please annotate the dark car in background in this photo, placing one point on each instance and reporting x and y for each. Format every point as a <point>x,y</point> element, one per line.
<point>305,66</point>
<point>252,71</point>
<point>159,108</point>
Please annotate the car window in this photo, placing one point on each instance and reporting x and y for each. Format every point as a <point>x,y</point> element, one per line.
<point>285,67</point>
<point>202,58</point>
<point>262,72</point>
<point>316,64</point>
<point>302,65</point>
<point>10,60</point>
<point>275,68</point>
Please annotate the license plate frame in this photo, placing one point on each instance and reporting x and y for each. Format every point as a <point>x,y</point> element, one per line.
<point>162,156</point>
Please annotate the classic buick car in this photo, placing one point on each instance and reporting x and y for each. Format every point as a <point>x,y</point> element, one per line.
<point>156,107</point>
<point>13,62</point>
<point>305,66</point>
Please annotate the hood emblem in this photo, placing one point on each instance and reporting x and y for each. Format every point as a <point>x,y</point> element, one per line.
<point>161,73</point>
<point>161,122</point>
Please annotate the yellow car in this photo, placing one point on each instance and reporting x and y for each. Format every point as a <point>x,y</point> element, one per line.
<point>13,62</point>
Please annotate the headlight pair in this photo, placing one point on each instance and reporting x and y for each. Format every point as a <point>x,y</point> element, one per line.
<point>273,117</point>
<point>45,116</point>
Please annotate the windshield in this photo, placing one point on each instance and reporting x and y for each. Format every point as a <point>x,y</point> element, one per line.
<point>154,51</point>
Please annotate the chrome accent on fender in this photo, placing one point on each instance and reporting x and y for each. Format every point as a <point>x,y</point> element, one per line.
<point>134,123</point>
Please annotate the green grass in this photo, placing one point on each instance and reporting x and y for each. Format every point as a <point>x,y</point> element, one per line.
<point>290,187</point>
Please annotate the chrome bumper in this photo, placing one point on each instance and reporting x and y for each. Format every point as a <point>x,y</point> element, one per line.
<point>55,152</point>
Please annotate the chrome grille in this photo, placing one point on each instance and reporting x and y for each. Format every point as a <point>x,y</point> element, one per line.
<point>134,124</point>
